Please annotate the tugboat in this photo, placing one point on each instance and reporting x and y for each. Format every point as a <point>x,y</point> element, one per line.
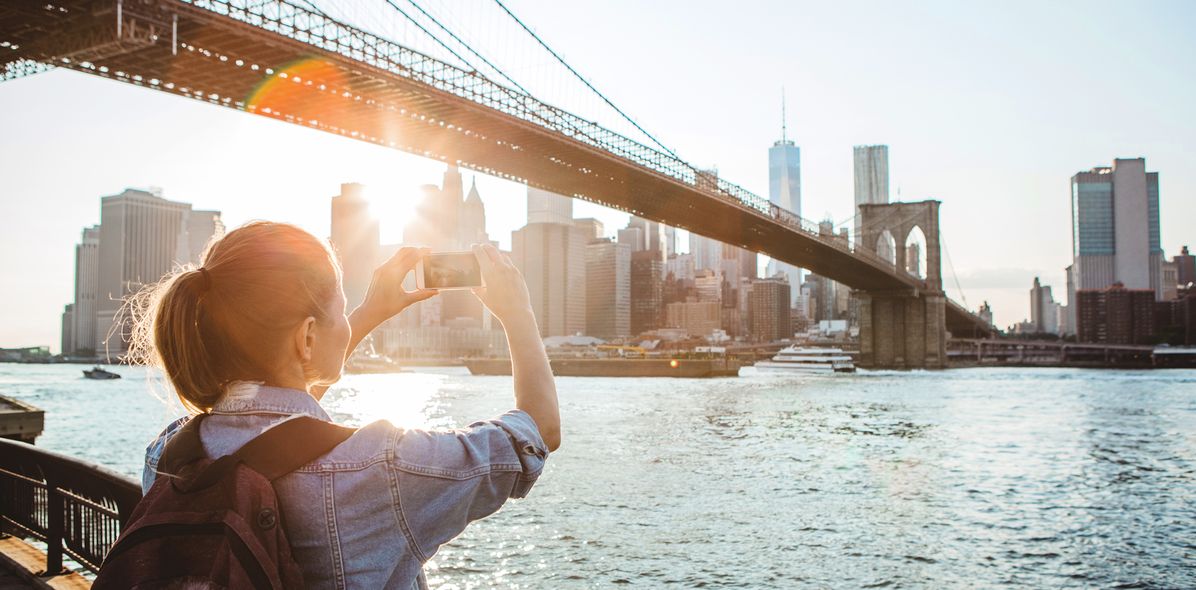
<point>813,360</point>
<point>99,373</point>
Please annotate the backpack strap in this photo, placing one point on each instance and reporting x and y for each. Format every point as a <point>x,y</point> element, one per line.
<point>291,444</point>
<point>279,450</point>
<point>183,448</point>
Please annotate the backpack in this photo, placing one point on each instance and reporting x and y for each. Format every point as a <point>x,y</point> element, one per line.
<point>216,523</point>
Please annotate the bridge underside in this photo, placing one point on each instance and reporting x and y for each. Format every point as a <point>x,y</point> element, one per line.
<point>290,67</point>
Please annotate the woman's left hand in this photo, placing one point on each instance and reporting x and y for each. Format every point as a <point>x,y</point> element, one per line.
<point>386,296</point>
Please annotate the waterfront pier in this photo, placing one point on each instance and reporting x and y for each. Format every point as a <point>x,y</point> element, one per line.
<point>20,421</point>
<point>74,507</point>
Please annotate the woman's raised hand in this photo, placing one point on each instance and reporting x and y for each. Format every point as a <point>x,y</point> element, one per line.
<point>505,292</point>
<point>386,296</point>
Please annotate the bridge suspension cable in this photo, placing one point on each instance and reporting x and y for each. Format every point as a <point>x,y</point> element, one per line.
<point>434,37</point>
<point>954,276</point>
<point>583,79</point>
<point>469,48</point>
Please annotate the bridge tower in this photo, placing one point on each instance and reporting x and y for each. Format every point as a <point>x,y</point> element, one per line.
<point>903,329</point>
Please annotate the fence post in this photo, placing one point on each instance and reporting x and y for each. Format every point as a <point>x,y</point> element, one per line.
<point>57,524</point>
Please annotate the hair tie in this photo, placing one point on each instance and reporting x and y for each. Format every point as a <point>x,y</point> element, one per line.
<point>207,278</point>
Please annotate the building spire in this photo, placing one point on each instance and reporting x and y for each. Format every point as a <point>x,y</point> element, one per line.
<point>784,123</point>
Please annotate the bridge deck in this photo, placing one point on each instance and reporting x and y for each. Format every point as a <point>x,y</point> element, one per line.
<point>286,62</point>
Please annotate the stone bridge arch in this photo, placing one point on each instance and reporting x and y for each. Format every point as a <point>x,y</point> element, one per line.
<point>900,219</point>
<point>903,329</point>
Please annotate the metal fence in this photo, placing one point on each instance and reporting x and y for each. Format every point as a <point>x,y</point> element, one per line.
<point>75,507</point>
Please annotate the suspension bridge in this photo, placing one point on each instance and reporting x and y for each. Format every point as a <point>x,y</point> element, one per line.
<point>295,62</point>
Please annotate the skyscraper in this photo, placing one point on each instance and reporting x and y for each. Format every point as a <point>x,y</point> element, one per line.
<point>708,285</point>
<point>871,184</point>
<point>737,263</point>
<point>655,234</point>
<point>647,291</point>
<point>446,220</point>
<point>87,293</point>
<point>1185,267</point>
<point>473,219</point>
<point>784,191</point>
<point>546,207</point>
<point>707,253</point>
<point>550,251</point>
<point>633,237</point>
<point>591,228</point>
<point>769,306</point>
<point>1044,312</point>
<point>68,329</point>
<point>608,289</point>
<point>354,237</point>
<point>142,237</point>
<point>202,228</point>
<point>1115,228</point>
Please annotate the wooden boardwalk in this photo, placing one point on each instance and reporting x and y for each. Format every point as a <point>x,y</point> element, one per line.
<point>20,564</point>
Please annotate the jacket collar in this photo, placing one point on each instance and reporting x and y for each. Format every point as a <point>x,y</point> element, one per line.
<point>246,397</point>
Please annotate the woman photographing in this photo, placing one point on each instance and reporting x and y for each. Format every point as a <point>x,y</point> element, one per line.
<point>256,335</point>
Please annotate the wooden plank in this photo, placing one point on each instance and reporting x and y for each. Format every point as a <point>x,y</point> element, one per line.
<point>26,563</point>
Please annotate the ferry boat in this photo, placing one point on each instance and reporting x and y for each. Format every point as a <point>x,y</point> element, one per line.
<point>814,360</point>
<point>99,373</point>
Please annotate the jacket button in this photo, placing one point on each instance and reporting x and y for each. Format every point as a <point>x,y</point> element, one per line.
<point>266,519</point>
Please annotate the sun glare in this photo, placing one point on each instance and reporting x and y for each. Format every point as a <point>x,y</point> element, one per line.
<point>393,205</point>
<point>407,400</point>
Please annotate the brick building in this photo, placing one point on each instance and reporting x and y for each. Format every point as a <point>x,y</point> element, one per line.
<point>1115,315</point>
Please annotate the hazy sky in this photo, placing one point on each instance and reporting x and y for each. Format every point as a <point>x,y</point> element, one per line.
<point>989,108</point>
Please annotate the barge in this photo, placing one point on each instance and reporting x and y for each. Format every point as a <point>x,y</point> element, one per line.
<point>618,367</point>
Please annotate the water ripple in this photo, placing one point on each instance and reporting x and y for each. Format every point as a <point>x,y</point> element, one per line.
<point>977,478</point>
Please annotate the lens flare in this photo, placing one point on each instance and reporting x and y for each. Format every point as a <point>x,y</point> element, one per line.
<point>294,88</point>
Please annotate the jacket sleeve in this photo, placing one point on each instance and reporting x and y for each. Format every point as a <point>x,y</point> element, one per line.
<point>445,480</point>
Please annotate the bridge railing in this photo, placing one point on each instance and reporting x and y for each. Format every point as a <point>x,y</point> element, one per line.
<point>315,28</point>
<point>75,507</point>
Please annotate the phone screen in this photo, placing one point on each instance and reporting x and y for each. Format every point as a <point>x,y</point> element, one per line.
<point>451,270</point>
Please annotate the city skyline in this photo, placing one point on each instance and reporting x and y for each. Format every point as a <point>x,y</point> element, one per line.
<point>1029,202</point>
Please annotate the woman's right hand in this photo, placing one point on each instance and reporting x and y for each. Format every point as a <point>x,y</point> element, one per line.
<point>505,291</point>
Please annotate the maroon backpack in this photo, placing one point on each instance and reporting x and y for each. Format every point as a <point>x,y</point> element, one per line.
<point>217,523</point>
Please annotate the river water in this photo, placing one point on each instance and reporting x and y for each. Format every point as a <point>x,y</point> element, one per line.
<point>966,478</point>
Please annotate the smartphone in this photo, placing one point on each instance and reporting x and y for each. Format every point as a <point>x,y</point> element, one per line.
<point>448,270</point>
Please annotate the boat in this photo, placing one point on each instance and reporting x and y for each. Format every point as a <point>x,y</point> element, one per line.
<point>371,363</point>
<point>99,373</point>
<point>618,367</point>
<point>810,359</point>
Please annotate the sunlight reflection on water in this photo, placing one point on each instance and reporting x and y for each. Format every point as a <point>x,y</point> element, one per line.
<point>976,478</point>
<point>407,400</point>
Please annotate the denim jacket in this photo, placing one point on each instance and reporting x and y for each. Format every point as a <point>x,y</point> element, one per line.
<point>369,513</point>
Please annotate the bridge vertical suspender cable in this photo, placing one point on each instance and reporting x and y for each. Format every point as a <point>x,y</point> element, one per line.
<point>582,79</point>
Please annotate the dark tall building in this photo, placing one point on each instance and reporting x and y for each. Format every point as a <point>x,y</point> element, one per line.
<point>647,291</point>
<point>769,305</point>
<point>1185,265</point>
<point>1115,315</point>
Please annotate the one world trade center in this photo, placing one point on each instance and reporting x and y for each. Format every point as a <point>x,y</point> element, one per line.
<point>784,191</point>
